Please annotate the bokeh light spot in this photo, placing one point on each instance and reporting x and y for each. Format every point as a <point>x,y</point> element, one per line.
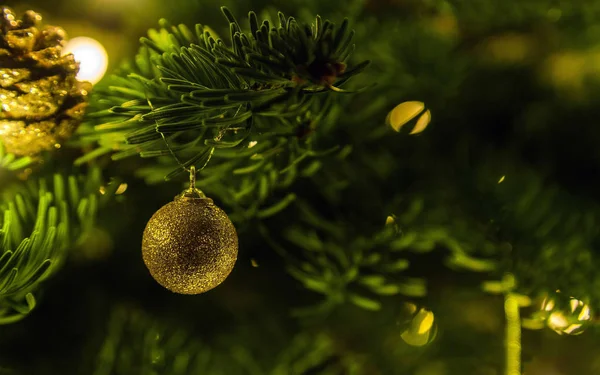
<point>91,56</point>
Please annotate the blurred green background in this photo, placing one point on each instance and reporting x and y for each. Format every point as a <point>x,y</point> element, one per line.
<point>515,81</point>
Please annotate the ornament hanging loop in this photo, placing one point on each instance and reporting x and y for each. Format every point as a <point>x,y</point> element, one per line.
<point>192,192</point>
<point>192,177</point>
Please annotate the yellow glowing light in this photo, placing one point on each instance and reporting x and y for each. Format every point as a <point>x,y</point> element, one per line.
<point>421,329</point>
<point>585,314</point>
<point>571,330</point>
<point>422,122</point>
<point>92,58</point>
<point>501,179</point>
<point>403,113</point>
<point>557,321</point>
<point>548,304</point>
<point>121,189</point>
<point>574,303</point>
<point>426,323</point>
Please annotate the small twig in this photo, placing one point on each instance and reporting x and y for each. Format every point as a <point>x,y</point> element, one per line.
<point>513,335</point>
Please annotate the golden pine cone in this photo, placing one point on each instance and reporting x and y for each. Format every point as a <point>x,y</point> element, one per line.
<point>41,101</point>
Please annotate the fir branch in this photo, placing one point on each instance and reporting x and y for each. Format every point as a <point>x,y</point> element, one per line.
<point>273,85</point>
<point>137,344</point>
<point>328,258</point>
<point>38,224</point>
<point>547,231</point>
<point>336,259</point>
<point>12,162</point>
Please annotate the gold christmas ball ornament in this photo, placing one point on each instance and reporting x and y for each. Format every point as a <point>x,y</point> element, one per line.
<point>189,245</point>
<point>41,101</point>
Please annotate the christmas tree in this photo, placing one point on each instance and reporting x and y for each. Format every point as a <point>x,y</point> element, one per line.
<point>359,187</point>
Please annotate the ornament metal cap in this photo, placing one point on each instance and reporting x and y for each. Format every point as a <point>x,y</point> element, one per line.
<point>193,192</point>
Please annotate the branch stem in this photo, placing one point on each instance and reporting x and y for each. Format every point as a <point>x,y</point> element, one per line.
<point>513,335</point>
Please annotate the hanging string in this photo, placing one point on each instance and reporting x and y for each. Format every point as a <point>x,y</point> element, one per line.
<point>191,169</point>
<point>193,177</point>
<point>182,165</point>
<point>192,191</point>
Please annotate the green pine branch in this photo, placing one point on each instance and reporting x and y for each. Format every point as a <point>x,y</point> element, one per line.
<point>39,222</point>
<point>251,108</point>
<point>343,262</point>
<point>522,226</point>
<point>138,344</point>
<point>12,162</point>
<point>551,235</point>
<point>329,258</point>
